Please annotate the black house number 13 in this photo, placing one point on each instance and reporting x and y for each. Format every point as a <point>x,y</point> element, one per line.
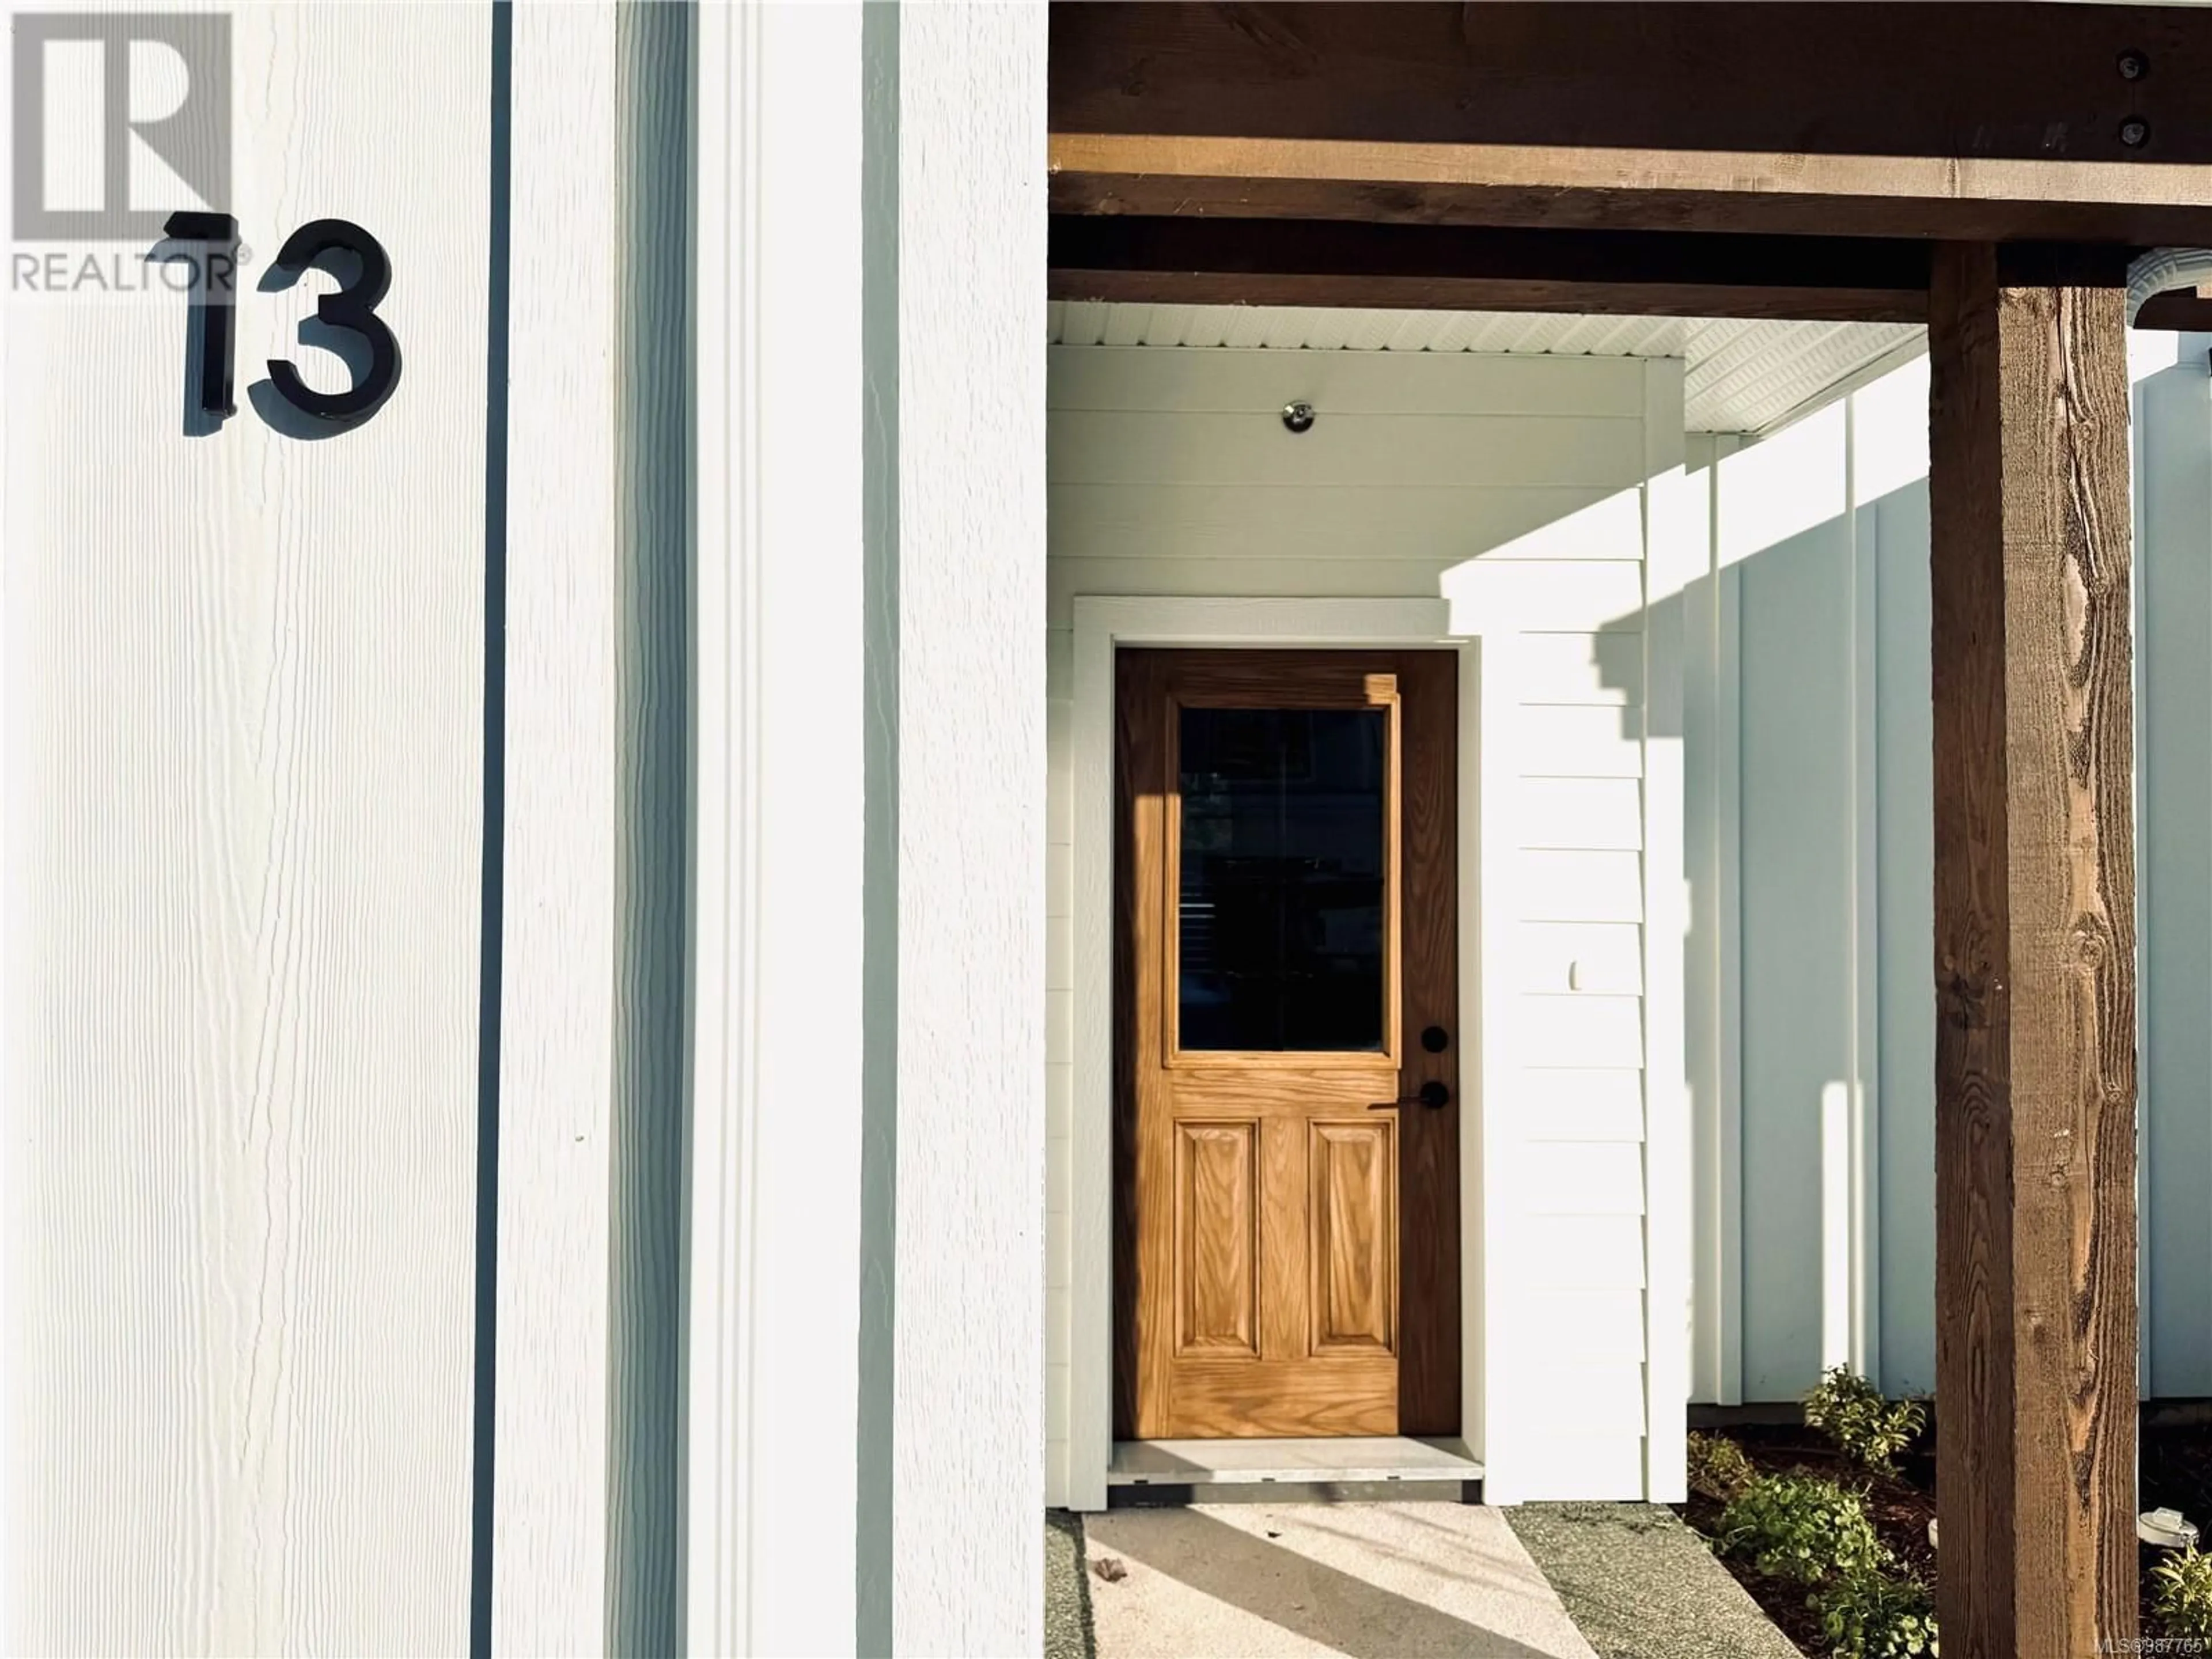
<point>352,309</point>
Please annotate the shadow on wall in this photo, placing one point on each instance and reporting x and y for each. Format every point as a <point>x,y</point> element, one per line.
<point>1807,751</point>
<point>1792,574</point>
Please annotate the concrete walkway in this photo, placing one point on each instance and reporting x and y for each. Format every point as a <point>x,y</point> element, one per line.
<point>1393,1580</point>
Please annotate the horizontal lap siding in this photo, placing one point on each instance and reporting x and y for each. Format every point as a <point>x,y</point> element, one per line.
<point>1372,453</point>
<point>1510,487</point>
<point>1452,521</point>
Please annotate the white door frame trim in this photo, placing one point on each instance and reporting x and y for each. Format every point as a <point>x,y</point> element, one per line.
<point>1102,624</point>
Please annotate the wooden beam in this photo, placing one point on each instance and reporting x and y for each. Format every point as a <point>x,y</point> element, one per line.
<point>2035,1068</point>
<point>1276,262</point>
<point>1653,273</point>
<point>1991,121</point>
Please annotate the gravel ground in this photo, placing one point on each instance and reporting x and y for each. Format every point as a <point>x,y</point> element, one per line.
<point>1641,1585</point>
<point>1067,1595</point>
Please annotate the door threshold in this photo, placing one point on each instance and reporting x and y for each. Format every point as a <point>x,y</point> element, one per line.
<point>1324,1462</point>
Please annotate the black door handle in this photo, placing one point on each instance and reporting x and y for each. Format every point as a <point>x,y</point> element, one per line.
<point>1432,1094</point>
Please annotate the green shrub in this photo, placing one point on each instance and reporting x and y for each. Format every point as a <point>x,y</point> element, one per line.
<point>1851,1411</point>
<point>2181,1595</point>
<point>1718,1468</point>
<point>1873,1614</point>
<point>1801,1527</point>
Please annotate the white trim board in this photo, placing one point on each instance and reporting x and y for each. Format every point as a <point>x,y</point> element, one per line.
<point>897,147</point>
<point>1101,625</point>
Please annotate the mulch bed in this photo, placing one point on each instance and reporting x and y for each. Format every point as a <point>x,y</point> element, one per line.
<point>1900,1506</point>
<point>2177,1473</point>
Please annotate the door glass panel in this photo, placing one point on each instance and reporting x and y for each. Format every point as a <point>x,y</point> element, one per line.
<point>1281,931</point>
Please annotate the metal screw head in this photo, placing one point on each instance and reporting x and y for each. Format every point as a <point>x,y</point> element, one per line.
<point>2135,132</point>
<point>2134,66</point>
<point>1298,417</point>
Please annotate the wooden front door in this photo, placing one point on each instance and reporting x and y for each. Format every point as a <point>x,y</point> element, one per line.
<point>1287,991</point>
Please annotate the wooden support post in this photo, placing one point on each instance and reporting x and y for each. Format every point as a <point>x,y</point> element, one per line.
<point>2035,1069</point>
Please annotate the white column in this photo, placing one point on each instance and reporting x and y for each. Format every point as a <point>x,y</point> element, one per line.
<point>774,1291</point>
<point>968,1341</point>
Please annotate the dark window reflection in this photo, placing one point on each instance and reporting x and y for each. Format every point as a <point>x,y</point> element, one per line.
<point>1281,906</point>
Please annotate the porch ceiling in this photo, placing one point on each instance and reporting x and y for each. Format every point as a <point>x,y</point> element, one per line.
<point>1740,375</point>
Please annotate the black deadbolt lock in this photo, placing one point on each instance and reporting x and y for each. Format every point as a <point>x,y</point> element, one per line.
<point>1436,1039</point>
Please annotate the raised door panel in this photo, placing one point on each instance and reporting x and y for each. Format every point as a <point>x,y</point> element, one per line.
<point>1354,1236</point>
<point>1217,1239</point>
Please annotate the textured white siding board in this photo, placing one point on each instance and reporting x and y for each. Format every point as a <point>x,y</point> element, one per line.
<point>1059,806</point>
<point>968,1447</point>
<point>1600,1399</point>
<point>564,738</point>
<point>1370,452</point>
<point>1058,883</point>
<point>1534,596</point>
<point>1573,1177</point>
<point>1676,560</point>
<point>1610,527</point>
<point>1055,1258</point>
<point>1059,1100</point>
<point>1582,1103</point>
<point>1712,818</point>
<point>1581,1253</point>
<point>1580,886</point>
<point>1589,814</point>
<point>1580,1028</point>
<point>1905,828</point>
<point>1557,742</point>
<point>1059,954</point>
<point>1783,488</point>
<point>1056,1394</point>
<point>1059,1022</point>
<point>1593,1466</point>
<point>243,896</point>
<point>781,805</point>
<point>1593,1327</point>
<point>1863,1221</point>
<point>1343,383</point>
<point>1059,664</point>
<point>1485,593</point>
<point>1601,669</point>
<point>1797,811</point>
<point>1242,518</point>
<point>1581,957</point>
<point>1055,1203</point>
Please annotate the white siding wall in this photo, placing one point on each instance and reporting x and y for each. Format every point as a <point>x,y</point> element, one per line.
<point>1815,1196</point>
<point>261,701</point>
<point>2173,736</point>
<point>1513,486</point>
<point>1823,577</point>
<point>243,777</point>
